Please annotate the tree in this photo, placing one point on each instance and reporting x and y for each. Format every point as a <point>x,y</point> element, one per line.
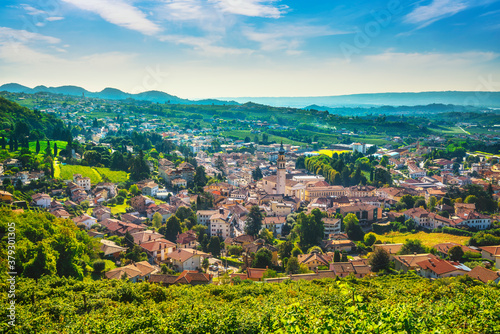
<point>214,246</point>
<point>37,149</point>
<point>263,259</point>
<point>379,260</point>
<point>412,246</point>
<point>352,228</point>
<point>285,249</point>
<point>336,256</point>
<point>98,267</point>
<point>269,273</point>
<point>257,174</point>
<point>310,228</point>
<point>205,264</point>
<point>48,151</point>
<point>344,257</point>
<point>370,239</point>
<point>55,149</point>
<point>134,189</point>
<point>296,251</point>
<point>200,178</point>
<point>292,266</point>
<point>254,221</point>
<point>471,199</point>
<point>456,253</point>
<point>157,220</point>
<point>172,229</point>
<point>266,235</point>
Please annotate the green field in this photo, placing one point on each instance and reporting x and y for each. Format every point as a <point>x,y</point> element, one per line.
<point>114,176</point>
<point>428,239</point>
<point>96,174</point>
<point>43,145</point>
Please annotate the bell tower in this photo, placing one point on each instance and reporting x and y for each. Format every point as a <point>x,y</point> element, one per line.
<point>281,172</point>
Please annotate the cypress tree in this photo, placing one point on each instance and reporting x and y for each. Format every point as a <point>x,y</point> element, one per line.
<point>37,146</point>
<point>55,149</point>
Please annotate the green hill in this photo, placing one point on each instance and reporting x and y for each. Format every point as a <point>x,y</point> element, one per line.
<point>23,122</point>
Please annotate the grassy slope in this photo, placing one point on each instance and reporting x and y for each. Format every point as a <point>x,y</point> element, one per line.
<point>428,239</point>
<point>95,173</point>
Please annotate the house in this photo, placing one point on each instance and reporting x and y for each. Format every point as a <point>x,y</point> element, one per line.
<point>343,269</point>
<point>241,240</point>
<point>141,202</point>
<point>475,220</point>
<point>178,183</point>
<point>41,200</point>
<point>221,223</point>
<point>111,249</point>
<point>339,245</point>
<point>438,268</point>
<point>315,260</point>
<point>280,209</point>
<point>274,224</point>
<point>85,219</point>
<point>6,196</point>
<point>158,249</point>
<point>409,262</point>
<point>83,182</point>
<point>187,239</point>
<point>391,249</point>
<point>332,226</point>
<point>203,216</point>
<point>491,253</point>
<point>134,272</point>
<point>60,213</point>
<point>145,236</point>
<point>484,275</point>
<point>364,212</point>
<point>187,259</point>
<point>360,191</point>
<point>253,274</point>
<point>117,227</point>
<point>148,187</point>
<point>254,247</point>
<point>102,213</point>
<point>186,277</point>
<point>444,248</point>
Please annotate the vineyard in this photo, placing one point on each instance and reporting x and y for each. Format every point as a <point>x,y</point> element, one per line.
<point>389,304</point>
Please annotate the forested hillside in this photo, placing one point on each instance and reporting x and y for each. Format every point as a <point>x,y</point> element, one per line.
<point>21,121</point>
<point>390,304</point>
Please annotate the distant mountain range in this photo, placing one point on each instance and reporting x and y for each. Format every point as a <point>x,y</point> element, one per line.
<point>476,99</point>
<point>111,94</point>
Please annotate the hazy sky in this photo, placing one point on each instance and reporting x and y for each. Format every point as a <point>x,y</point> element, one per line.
<point>223,48</point>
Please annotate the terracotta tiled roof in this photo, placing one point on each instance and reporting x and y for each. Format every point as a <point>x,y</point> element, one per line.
<point>493,250</point>
<point>483,274</point>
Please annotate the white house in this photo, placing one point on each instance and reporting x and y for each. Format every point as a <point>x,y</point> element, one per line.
<point>41,200</point>
<point>85,219</point>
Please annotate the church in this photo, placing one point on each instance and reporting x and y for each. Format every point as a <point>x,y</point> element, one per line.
<point>281,183</point>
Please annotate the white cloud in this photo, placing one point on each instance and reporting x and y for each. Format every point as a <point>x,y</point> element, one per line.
<point>436,10</point>
<point>54,18</point>
<point>288,37</point>
<point>185,10</point>
<point>255,8</point>
<point>119,12</point>
<point>23,36</point>
<point>204,45</point>
<point>428,60</point>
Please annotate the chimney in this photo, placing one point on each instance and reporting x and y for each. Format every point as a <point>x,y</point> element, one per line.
<point>221,211</point>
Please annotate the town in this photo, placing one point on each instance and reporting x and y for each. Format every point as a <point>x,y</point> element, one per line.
<point>171,202</point>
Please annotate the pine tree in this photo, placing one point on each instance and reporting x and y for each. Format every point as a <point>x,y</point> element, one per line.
<point>254,221</point>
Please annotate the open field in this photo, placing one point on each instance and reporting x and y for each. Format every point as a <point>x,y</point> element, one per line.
<point>114,176</point>
<point>96,174</point>
<point>43,145</point>
<point>428,239</point>
<point>330,152</point>
<point>67,172</point>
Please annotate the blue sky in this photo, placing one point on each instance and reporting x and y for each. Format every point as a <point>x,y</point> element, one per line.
<point>224,48</point>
